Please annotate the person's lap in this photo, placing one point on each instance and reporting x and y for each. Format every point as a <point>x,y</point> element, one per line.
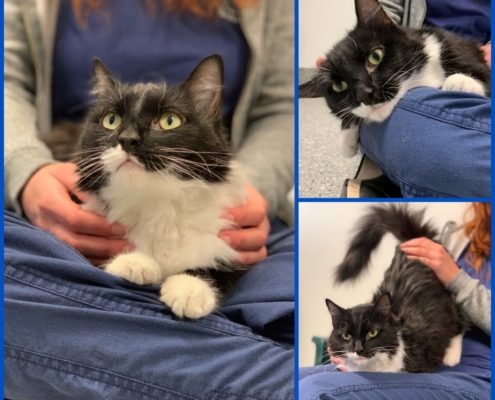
<point>72,330</point>
<point>468,381</point>
<point>435,144</point>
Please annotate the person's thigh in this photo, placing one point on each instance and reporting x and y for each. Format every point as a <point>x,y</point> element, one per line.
<point>263,299</point>
<point>74,331</point>
<point>326,383</point>
<point>435,144</point>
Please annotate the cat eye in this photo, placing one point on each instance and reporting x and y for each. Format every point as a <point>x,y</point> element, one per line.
<point>375,57</point>
<point>372,333</point>
<point>111,121</point>
<point>170,120</point>
<point>346,336</point>
<point>339,86</point>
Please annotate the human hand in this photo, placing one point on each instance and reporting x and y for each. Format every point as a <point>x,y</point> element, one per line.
<point>487,52</point>
<point>434,256</point>
<point>47,204</point>
<point>253,227</point>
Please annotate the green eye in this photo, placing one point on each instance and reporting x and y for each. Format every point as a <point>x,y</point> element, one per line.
<point>111,121</point>
<point>375,57</point>
<point>372,333</point>
<point>170,120</point>
<point>340,86</point>
<point>346,336</point>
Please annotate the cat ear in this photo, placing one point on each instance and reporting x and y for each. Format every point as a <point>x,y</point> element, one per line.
<point>313,88</point>
<point>335,310</point>
<point>205,86</point>
<point>383,304</point>
<point>370,12</point>
<point>102,78</point>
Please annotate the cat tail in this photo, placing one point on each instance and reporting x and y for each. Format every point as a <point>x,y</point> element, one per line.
<point>396,219</point>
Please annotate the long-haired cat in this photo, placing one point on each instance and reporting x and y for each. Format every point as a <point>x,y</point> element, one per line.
<point>154,158</point>
<point>412,323</point>
<point>365,75</point>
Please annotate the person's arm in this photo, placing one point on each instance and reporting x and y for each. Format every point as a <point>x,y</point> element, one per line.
<point>473,298</point>
<point>267,152</point>
<point>24,152</point>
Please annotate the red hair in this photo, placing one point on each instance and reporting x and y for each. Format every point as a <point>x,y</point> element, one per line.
<point>478,230</point>
<point>202,8</point>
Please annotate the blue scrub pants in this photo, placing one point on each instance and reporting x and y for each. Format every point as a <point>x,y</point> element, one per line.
<point>470,380</point>
<point>436,143</point>
<point>73,331</point>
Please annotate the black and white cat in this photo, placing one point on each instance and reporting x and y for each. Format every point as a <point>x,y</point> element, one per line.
<point>154,158</point>
<point>365,75</point>
<point>412,323</point>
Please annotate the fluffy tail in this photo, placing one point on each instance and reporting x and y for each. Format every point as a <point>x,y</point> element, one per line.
<point>397,219</point>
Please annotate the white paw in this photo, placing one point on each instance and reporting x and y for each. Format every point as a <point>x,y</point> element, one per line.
<point>135,267</point>
<point>463,83</point>
<point>453,353</point>
<point>95,205</point>
<point>349,142</point>
<point>188,296</point>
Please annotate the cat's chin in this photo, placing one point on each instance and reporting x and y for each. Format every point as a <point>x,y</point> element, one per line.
<point>375,113</point>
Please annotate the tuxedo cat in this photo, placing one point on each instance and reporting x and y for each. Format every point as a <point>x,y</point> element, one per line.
<point>154,158</point>
<point>412,323</point>
<point>366,74</point>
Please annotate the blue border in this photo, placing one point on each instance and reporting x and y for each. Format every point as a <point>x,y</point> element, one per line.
<point>296,194</point>
<point>2,201</point>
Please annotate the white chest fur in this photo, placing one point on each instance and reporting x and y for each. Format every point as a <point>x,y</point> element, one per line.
<point>173,221</point>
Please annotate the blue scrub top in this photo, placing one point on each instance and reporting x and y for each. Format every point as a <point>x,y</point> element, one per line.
<point>138,45</point>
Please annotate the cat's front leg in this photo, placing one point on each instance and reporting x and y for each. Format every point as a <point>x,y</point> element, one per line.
<point>189,296</point>
<point>349,141</point>
<point>464,83</point>
<point>136,267</point>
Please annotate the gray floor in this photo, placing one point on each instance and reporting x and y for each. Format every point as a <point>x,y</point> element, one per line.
<point>322,169</point>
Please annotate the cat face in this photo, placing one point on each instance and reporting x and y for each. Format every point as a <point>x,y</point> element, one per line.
<point>154,128</point>
<point>363,334</point>
<point>364,74</point>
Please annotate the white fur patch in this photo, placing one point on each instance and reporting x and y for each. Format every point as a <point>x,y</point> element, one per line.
<point>135,267</point>
<point>380,362</point>
<point>453,353</point>
<point>188,296</point>
<point>349,141</point>
<point>463,83</point>
<point>174,221</point>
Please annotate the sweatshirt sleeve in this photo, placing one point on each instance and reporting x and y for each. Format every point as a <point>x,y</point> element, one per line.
<point>267,152</point>
<point>474,300</point>
<point>24,152</point>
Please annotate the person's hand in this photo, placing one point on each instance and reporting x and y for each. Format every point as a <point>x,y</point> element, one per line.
<point>47,204</point>
<point>251,234</point>
<point>434,256</point>
<point>487,52</point>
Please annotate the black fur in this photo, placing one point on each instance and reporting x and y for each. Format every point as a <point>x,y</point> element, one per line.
<point>197,149</point>
<point>404,55</point>
<point>395,219</point>
<point>421,309</point>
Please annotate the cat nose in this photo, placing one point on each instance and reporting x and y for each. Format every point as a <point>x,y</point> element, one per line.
<point>364,93</point>
<point>129,140</point>
<point>358,347</point>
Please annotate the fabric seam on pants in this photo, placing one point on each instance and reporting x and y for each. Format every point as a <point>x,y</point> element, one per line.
<point>16,353</point>
<point>436,113</point>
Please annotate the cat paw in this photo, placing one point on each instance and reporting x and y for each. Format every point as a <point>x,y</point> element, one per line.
<point>136,268</point>
<point>349,142</point>
<point>188,296</point>
<point>463,83</point>
<point>453,353</point>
